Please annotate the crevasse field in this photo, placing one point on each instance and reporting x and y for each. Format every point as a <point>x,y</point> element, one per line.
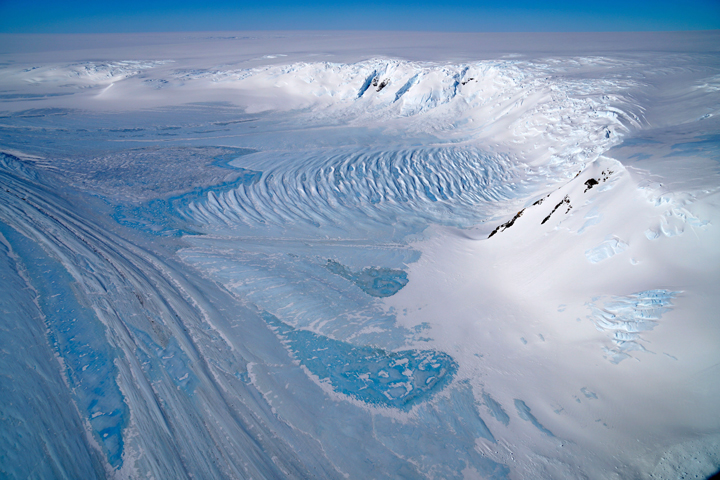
<point>345,255</point>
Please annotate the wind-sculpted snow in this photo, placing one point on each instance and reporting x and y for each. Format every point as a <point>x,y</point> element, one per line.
<point>282,264</point>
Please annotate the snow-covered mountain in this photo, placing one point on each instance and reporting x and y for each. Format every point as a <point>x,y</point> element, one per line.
<point>301,258</point>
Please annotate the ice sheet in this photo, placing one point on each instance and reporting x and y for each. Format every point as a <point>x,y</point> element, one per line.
<point>350,255</point>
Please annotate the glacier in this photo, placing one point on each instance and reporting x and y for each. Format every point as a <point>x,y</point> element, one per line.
<point>360,255</point>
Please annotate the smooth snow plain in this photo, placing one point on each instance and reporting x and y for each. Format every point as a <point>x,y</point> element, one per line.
<point>360,255</point>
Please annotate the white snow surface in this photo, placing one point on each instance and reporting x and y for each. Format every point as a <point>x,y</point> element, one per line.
<point>360,255</point>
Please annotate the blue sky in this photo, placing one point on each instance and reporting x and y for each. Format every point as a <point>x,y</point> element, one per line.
<point>90,16</point>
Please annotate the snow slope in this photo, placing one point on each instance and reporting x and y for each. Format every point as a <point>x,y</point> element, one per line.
<point>352,255</point>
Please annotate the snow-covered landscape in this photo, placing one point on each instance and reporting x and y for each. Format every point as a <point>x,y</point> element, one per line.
<point>360,255</point>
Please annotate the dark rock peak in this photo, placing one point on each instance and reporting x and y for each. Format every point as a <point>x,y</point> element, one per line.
<point>564,200</point>
<point>507,224</point>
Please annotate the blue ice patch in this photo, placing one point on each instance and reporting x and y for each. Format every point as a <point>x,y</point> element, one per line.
<point>79,338</point>
<point>627,316</point>
<point>496,410</point>
<point>377,282</point>
<point>372,375</point>
<point>588,393</point>
<point>701,146</point>
<point>524,413</point>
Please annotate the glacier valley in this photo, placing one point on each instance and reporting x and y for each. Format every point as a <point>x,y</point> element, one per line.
<point>360,255</point>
